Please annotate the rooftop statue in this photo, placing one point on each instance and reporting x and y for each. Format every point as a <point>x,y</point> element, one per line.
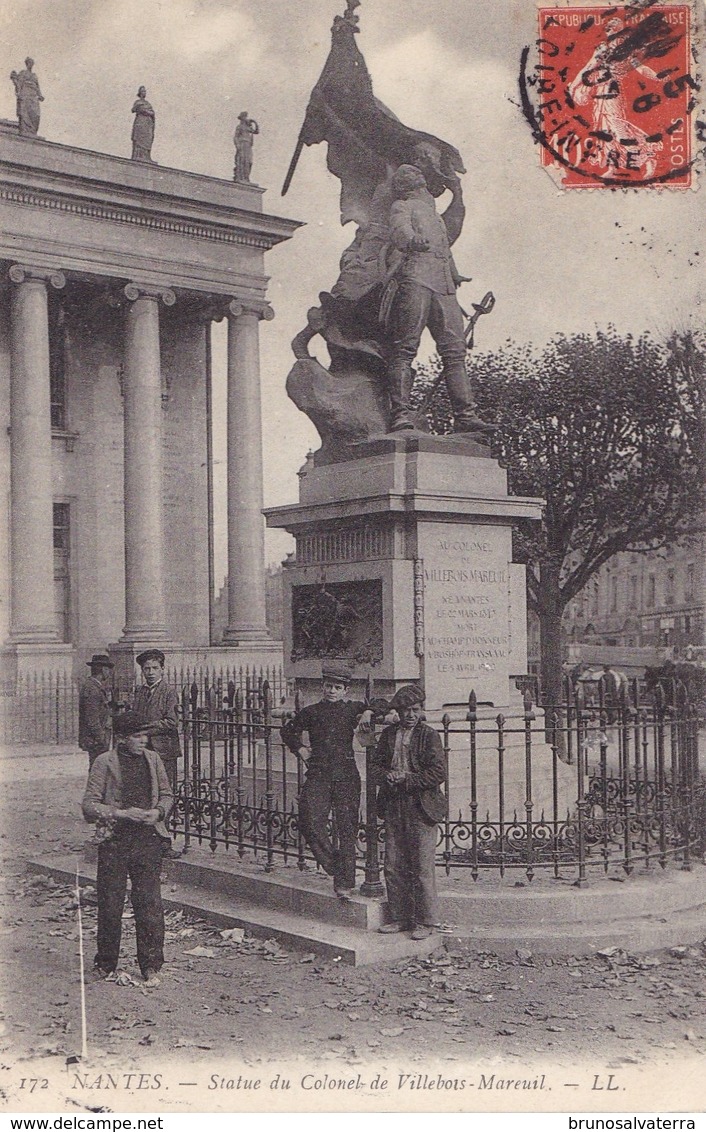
<point>28,98</point>
<point>243,137</point>
<point>397,276</point>
<point>142,127</point>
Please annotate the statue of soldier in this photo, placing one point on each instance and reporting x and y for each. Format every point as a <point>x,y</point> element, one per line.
<point>29,96</point>
<point>421,292</point>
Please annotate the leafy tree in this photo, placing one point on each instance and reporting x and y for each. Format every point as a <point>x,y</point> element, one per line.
<point>610,431</point>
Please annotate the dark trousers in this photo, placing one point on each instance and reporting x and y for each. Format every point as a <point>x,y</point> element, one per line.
<point>136,853</point>
<point>410,849</point>
<point>322,793</point>
<point>415,308</point>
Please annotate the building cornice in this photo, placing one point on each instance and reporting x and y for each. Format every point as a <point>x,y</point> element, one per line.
<point>139,216</point>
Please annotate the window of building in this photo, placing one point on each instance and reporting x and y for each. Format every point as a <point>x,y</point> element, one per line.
<point>651,599</point>
<point>62,570</point>
<point>613,594</point>
<point>57,363</point>
<point>690,582</point>
<point>669,587</point>
<point>632,591</point>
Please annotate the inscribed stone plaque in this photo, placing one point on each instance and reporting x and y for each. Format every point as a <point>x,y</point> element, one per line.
<point>466,612</point>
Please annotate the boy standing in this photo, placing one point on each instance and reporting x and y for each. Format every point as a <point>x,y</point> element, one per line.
<point>332,778</point>
<point>409,766</point>
<point>128,793</point>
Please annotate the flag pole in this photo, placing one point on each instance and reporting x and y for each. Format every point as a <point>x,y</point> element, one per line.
<point>293,163</point>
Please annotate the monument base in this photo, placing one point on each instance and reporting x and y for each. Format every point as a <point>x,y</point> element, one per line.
<point>404,567</point>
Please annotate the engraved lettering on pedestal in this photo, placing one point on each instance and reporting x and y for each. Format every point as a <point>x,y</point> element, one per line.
<point>467,610</point>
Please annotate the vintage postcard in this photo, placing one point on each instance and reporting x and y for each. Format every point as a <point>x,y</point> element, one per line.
<point>352,591</point>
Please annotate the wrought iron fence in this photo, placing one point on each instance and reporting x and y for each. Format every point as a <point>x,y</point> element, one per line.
<point>632,794</point>
<point>41,707</point>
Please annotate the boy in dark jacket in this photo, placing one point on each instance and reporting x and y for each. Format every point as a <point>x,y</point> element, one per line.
<point>409,767</point>
<point>332,778</point>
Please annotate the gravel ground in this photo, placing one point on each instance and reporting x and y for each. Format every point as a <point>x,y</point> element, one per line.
<point>241,1006</point>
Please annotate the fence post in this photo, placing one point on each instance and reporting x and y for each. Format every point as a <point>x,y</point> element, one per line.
<point>269,793</point>
<point>212,784</point>
<point>625,724</point>
<point>581,811</point>
<point>500,723</point>
<point>446,724</point>
<point>238,725</point>
<point>186,785</point>
<point>472,718</point>
<point>659,702</point>
<point>528,718</point>
<point>603,754</point>
<point>372,885</point>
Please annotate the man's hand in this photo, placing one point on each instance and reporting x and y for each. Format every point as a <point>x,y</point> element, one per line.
<point>304,753</point>
<point>137,814</point>
<point>395,777</point>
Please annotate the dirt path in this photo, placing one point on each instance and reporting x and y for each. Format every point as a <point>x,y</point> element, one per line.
<point>253,1003</point>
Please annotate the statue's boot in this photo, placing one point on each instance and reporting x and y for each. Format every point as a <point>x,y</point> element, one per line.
<point>399,384</point>
<point>469,421</point>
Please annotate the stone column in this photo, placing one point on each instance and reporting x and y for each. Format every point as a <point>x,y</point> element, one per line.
<point>31,516</point>
<point>246,528</point>
<point>145,611</point>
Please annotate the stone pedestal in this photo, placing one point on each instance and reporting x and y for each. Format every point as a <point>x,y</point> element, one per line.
<point>404,566</point>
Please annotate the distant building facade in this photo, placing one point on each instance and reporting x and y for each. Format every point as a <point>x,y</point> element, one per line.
<point>644,607</point>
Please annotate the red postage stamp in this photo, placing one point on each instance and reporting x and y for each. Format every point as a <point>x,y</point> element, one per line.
<point>611,94</point>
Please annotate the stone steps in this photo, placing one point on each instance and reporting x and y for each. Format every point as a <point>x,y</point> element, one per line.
<point>346,943</point>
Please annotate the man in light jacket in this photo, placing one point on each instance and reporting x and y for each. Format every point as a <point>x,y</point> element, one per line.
<point>128,797</point>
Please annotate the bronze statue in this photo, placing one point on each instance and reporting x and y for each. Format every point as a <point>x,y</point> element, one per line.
<point>243,137</point>
<point>420,293</point>
<point>393,282</point>
<point>142,127</point>
<point>28,98</point>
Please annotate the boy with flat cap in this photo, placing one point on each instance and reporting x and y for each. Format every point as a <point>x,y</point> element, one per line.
<point>409,766</point>
<point>154,713</point>
<point>332,778</point>
<point>128,796</point>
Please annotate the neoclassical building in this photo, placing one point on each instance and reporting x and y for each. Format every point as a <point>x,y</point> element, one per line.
<point>111,272</point>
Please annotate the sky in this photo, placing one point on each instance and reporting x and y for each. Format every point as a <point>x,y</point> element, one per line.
<point>557,261</point>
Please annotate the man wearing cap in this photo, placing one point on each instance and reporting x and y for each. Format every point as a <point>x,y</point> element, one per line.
<point>332,778</point>
<point>94,714</point>
<point>409,766</point>
<point>154,713</point>
<point>128,797</point>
